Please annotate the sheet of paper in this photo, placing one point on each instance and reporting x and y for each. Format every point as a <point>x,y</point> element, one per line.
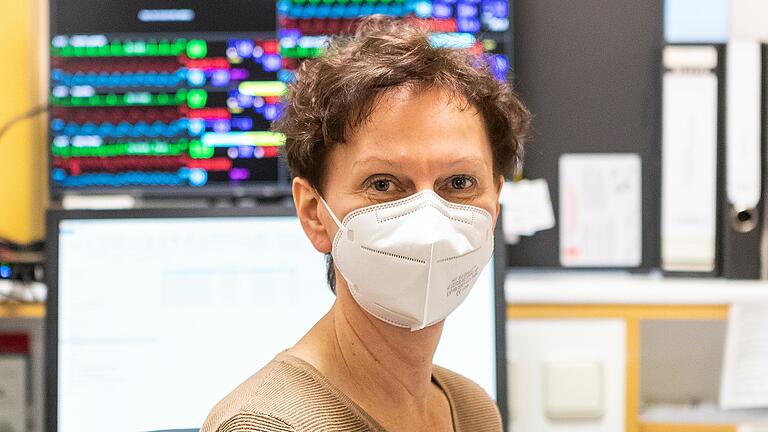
<point>600,210</point>
<point>745,367</point>
<point>526,208</point>
<point>697,21</point>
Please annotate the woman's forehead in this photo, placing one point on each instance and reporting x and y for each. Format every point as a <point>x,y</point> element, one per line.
<point>403,122</point>
<point>407,153</point>
<point>421,98</point>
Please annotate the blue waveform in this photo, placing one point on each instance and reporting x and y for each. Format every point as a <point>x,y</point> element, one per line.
<point>133,178</point>
<point>125,129</point>
<point>117,79</point>
<point>293,10</point>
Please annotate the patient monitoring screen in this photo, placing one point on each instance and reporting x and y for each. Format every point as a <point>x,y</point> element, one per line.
<point>161,318</point>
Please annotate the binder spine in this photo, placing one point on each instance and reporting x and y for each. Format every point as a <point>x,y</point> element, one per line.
<point>745,150</point>
<point>764,146</point>
<point>692,174</point>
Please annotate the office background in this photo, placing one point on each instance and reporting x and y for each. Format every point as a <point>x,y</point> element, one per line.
<point>631,333</point>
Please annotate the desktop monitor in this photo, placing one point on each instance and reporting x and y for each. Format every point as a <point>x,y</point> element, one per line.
<point>167,311</point>
<point>161,97</point>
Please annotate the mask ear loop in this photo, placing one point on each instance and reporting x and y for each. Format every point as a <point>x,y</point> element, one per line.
<point>327,207</point>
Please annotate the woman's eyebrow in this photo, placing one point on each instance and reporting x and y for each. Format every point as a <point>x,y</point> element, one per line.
<point>459,162</point>
<point>372,160</point>
<point>463,161</point>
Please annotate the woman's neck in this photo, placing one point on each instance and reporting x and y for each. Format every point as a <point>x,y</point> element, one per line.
<point>381,367</point>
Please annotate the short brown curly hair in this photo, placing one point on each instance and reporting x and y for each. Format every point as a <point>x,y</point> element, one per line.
<point>337,92</point>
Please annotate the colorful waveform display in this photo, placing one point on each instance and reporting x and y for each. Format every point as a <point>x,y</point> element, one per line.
<point>467,15</point>
<point>177,112</point>
<point>305,25</point>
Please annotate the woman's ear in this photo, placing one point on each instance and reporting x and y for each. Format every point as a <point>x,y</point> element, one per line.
<point>308,209</point>
<point>499,186</point>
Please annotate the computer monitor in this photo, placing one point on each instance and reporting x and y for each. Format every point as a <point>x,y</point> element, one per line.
<point>480,26</point>
<point>167,311</point>
<point>161,97</point>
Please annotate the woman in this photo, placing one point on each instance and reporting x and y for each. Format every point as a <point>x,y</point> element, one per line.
<point>398,151</point>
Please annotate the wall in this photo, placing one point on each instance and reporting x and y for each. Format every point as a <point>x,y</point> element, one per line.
<point>748,19</point>
<point>589,72</point>
<point>23,39</point>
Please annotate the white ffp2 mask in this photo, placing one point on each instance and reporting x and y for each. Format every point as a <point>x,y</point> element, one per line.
<point>411,262</point>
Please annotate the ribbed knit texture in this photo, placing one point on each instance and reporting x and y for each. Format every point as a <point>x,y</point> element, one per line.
<point>290,395</point>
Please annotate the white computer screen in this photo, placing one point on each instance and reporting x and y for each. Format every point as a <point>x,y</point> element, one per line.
<point>160,318</point>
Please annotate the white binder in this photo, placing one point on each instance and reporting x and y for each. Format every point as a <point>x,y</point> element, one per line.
<point>743,124</point>
<point>743,161</point>
<point>689,198</point>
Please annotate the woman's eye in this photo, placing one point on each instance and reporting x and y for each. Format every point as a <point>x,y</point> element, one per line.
<point>381,185</point>
<point>461,182</point>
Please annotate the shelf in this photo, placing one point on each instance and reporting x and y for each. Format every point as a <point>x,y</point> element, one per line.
<point>524,287</point>
<point>22,310</point>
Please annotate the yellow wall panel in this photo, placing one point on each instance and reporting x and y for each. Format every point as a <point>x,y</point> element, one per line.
<point>23,165</point>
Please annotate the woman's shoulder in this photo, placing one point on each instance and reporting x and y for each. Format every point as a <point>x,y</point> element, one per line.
<point>241,404</point>
<point>253,421</point>
<point>475,410</point>
<point>284,396</point>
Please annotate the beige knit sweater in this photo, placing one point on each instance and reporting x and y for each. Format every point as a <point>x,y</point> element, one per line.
<point>289,394</point>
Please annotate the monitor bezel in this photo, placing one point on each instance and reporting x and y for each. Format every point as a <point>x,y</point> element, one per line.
<point>55,217</point>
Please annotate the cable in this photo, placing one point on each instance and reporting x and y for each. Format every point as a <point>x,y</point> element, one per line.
<point>36,246</point>
<point>23,116</point>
